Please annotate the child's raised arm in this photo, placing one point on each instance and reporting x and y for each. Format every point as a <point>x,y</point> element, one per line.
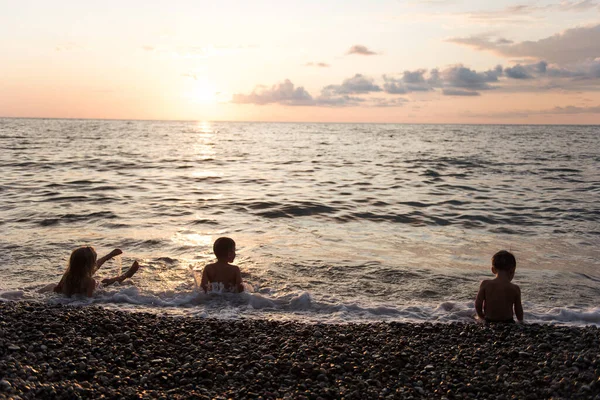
<point>107,257</point>
<point>128,274</point>
<point>479,300</point>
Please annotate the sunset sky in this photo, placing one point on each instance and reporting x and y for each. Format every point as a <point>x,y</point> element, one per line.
<point>423,61</point>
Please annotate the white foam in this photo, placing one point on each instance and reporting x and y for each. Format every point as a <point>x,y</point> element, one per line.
<point>298,305</point>
<point>565,315</point>
<point>301,301</point>
<point>7,295</point>
<point>258,301</point>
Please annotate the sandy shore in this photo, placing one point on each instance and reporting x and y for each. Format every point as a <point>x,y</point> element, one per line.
<point>65,352</point>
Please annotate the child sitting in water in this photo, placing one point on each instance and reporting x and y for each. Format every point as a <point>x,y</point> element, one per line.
<point>497,297</point>
<point>77,279</point>
<point>222,272</point>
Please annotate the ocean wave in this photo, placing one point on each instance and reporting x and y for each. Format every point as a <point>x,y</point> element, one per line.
<point>310,206</point>
<point>70,218</point>
<point>297,306</point>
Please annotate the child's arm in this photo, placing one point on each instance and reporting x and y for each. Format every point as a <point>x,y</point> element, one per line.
<point>128,274</point>
<point>238,280</point>
<point>204,281</point>
<point>91,286</point>
<point>479,300</point>
<point>107,257</point>
<point>58,288</point>
<point>519,306</point>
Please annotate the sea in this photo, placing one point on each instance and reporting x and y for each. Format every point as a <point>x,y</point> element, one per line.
<point>334,223</point>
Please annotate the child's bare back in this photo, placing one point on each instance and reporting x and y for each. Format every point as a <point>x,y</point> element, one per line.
<point>222,272</point>
<point>226,274</point>
<point>497,298</point>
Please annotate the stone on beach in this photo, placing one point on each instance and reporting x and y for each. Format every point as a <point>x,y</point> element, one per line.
<point>71,352</point>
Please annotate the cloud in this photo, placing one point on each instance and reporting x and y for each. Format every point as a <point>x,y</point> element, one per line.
<point>361,50</point>
<point>522,13</point>
<point>411,81</point>
<point>541,76</point>
<point>459,92</point>
<point>394,86</point>
<point>526,13</point>
<point>572,45</point>
<point>338,101</point>
<point>456,80</point>
<point>482,41</point>
<point>317,64</point>
<point>465,78</point>
<point>518,72</point>
<point>518,13</point>
<point>383,102</point>
<point>541,67</point>
<point>582,5</point>
<point>358,84</point>
<point>285,93</point>
<point>585,70</point>
<point>282,93</point>
<point>572,110</point>
<point>567,110</point>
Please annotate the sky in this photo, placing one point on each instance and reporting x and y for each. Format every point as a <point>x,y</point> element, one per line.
<point>427,61</point>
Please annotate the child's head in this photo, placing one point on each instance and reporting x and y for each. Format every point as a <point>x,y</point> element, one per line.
<point>83,257</point>
<point>504,261</point>
<point>81,265</point>
<point>224,249</point>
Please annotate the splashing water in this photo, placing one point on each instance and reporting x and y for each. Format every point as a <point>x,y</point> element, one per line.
<point>119,261</point>
<point>196,277</point>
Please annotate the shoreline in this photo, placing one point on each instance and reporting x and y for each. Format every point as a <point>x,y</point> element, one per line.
<point>56,351</point>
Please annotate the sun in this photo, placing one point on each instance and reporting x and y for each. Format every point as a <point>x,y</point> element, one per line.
<point>204,92</point>
<point>201,90</point>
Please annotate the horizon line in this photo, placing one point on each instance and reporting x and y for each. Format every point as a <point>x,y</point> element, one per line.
<point>296,122</point>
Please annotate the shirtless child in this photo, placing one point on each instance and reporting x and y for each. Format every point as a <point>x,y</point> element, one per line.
<point>222,272</point>
<point>497,297</point>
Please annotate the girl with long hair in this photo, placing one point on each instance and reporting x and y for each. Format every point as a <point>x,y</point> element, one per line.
<point>83,263</point>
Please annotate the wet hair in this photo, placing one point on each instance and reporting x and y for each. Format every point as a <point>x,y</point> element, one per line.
<point>222,247</point>
<point>504,261</point>
<point>81,266</point>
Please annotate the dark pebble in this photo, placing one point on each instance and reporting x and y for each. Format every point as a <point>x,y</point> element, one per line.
<point>52,351</point>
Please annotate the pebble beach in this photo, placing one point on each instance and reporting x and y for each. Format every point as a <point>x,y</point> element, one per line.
<point>54,351</point>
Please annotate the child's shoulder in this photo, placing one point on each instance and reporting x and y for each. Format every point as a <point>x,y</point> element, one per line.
<point>486,282</point>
